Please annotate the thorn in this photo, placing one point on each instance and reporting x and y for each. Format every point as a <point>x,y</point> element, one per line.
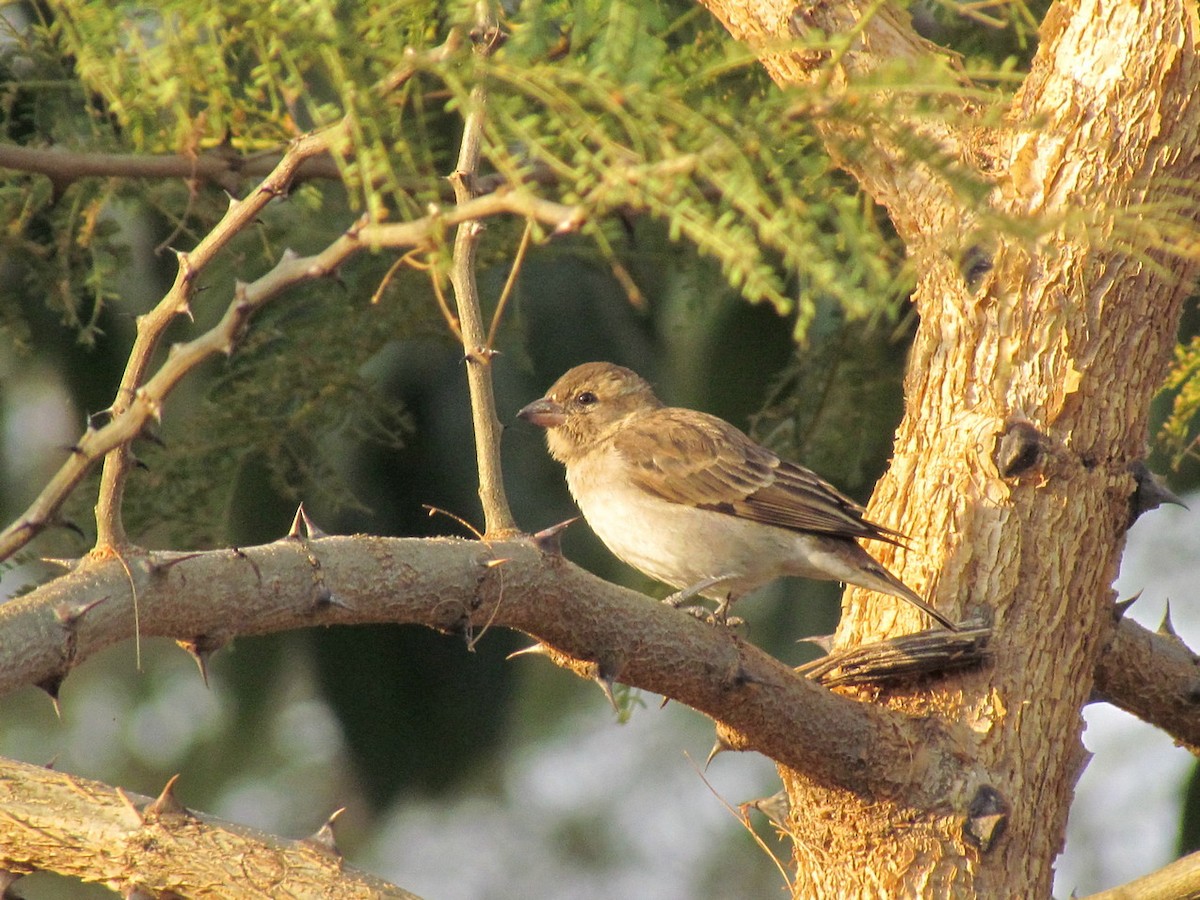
<point>69,614</point>
<point>492,563</point>
<point>1149,493</point>
<point>821,641</point>
<point>548,540</point>
<point>52,684</point>
<point>161,567</point>
<point>166,804</point>
<point>67,564</point>
<point>1122,606</point>
<point>538,649</point>
<point>1167,628</point>
<point>718,747</point>
<point>51,763</point>
<point>776,808</point>
<point>606,684</point>
<point>303,527</point>
<point>201,648</point>
<point>323,838</point>
<point>987,817</point>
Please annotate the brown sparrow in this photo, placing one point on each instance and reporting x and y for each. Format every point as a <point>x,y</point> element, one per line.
<point>692,501</point>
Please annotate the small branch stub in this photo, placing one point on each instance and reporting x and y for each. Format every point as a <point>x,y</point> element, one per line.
<point>1018,448</point>
<point>987,817</point>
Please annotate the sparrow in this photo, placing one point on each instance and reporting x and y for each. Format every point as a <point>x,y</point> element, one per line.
<point>692,501</point>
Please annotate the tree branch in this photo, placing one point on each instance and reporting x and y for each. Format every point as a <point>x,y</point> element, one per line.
<point>50,821</point>
<point>596,629</point>
<point>177,302</point>
<point>220,166</point>
<point>477,353</point>
<point>1154,677</point>
<point>1178,879</point>
<point>147,400</point>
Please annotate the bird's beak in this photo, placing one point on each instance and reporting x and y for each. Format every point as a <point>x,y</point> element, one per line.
<point>544,413</point>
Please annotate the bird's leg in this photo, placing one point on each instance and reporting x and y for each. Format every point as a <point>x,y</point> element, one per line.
<point>680,599</point>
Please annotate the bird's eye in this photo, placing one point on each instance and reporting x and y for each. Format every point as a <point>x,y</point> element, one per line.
<point>585,398</point>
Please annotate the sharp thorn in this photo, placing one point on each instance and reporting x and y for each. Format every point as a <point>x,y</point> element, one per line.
<point>548,540</point>
<point>606,685</point>
<point>1122,606</point>
<point>538,649</point>
<point>324,838</point>
<point>303,527</point>
<point>201,648</point>
<point>67,564</point>
<point>162,566</point>
<point>1167,628</point>
<point>52,684</point>
<point>69,614</point>
<point>166,803</point>
<point>718,747</point>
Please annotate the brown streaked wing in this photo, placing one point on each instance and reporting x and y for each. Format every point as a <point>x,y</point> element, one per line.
<point>693,458</point>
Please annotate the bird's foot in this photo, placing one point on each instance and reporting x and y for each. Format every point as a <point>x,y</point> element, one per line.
<point>721,615</point>
<point>680,600</point>
<point>712,618</point>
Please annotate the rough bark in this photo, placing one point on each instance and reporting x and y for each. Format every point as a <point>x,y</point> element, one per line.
<point>1065,342</point>
<point>156,846</point>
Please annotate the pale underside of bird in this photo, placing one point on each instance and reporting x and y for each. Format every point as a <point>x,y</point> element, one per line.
<point>692,501</point>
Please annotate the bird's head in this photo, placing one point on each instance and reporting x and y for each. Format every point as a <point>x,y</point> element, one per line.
<point>586,405</point>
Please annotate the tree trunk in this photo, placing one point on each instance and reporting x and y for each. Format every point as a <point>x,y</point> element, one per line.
<point>1028,393</point>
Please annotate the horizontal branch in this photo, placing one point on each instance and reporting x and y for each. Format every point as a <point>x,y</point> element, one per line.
<point>1154,677</point>
<point>220,166</point>
<point>595,628</point>
<point>147,402</point>
<point>1172,882</point>
<point>51,821</point>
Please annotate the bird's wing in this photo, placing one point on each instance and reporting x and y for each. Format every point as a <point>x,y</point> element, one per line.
<point>699,460</point>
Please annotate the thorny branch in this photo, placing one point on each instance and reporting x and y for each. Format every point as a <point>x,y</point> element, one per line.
<point>477,351</point>
<point>51,821</point>
<point>596,629</point>
<point>147,399</point>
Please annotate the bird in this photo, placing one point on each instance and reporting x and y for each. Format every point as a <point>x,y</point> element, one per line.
<point>692,501</point>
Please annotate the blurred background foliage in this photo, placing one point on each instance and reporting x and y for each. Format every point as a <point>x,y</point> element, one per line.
<point>725,258</point>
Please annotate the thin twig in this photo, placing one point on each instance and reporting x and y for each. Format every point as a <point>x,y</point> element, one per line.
<point>522,249</point>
